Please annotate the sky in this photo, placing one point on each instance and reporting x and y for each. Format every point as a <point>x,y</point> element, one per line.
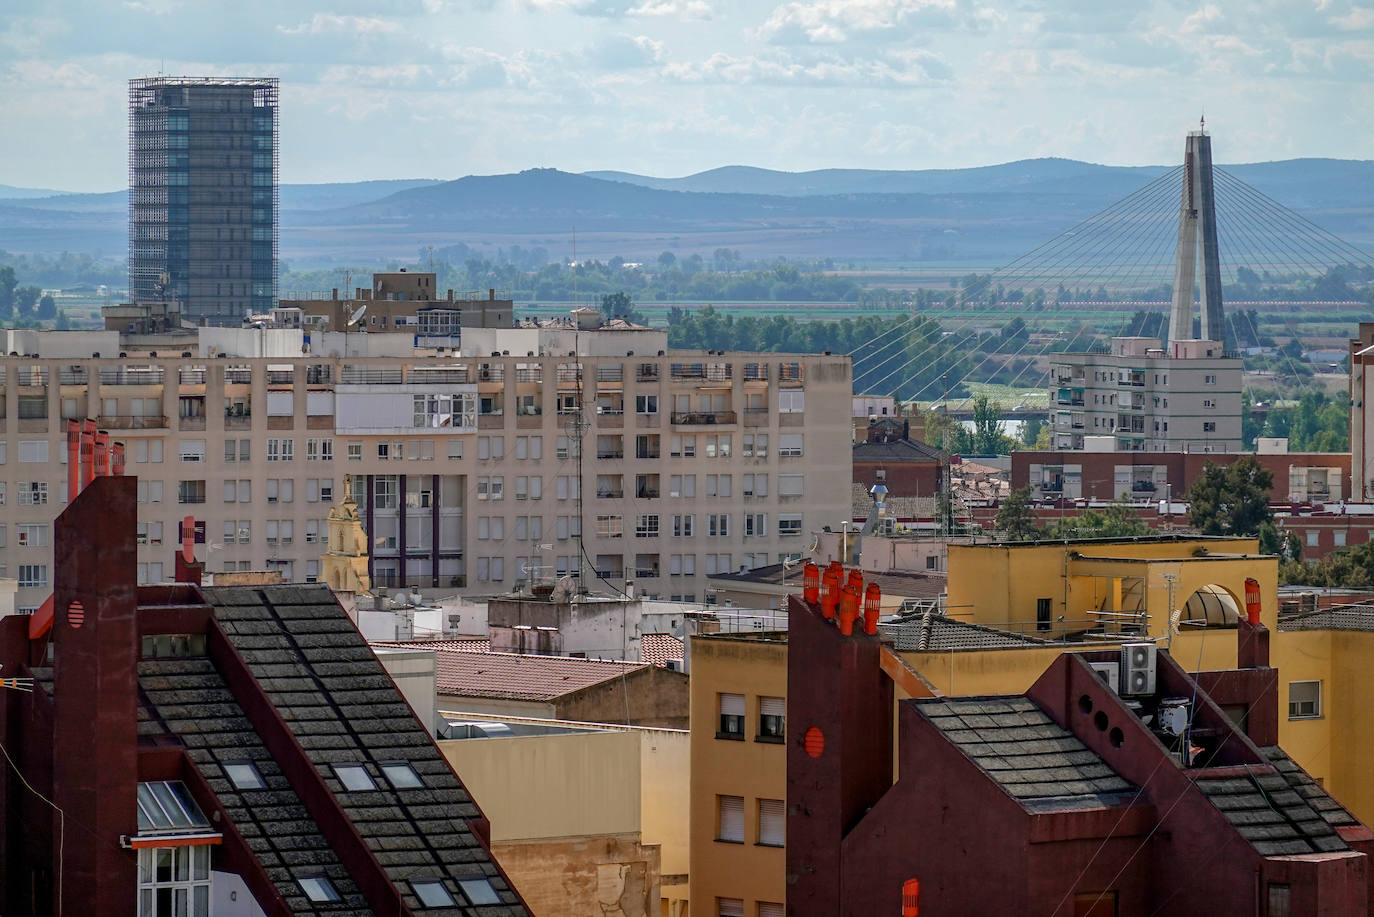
<point>447,88</point>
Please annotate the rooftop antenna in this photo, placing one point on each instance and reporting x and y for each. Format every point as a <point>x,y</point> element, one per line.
<point>357,316</point>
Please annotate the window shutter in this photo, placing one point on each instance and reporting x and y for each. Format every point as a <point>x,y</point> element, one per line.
<point>732,705</point>
<point>769,909</point>
<point>772,830</point>
<point>772,706</point>
<point>730,907</point>
<point>732,818</point>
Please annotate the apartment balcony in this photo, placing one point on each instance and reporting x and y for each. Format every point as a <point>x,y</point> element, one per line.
<point>648,493</point>
<point>610,494</point>
<point>131,422</point>
<point>610,574</point>
<point>703,419</point>
<point>491,421</point>
<point>1143,487</point>
<point>238,421</point>
<point>610,454</point>
<point>130,376</point>
<point>756,417</point>
<point>74,375</point>
<point>191,424</point>
<point>647,573</point>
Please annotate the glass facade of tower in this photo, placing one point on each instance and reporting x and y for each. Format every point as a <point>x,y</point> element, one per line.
<point>203,195</point>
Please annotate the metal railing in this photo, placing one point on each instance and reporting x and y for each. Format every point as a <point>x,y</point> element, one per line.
<point>704,418</point>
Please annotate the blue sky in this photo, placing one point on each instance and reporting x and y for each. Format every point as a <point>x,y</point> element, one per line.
<point>445,88</point>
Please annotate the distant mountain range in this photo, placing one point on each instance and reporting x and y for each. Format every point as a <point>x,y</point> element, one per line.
<point>982,216</point>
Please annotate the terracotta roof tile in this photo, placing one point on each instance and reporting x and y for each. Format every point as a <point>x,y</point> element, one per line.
<point>657,649</point>
<point>515,676</point>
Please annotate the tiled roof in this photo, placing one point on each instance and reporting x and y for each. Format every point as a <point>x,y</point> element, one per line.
<point>1038,762</point>
<point>186,698</point>
<point>515,676</point>
<point>932,631</point>
<point>1335,814</point>
<point>474,645</point>
<point>341,707</point>
<point>897,450</point>
<point>1341,617</point>
<point>1276,812</point>
<point>657,649</point>
<point>904,585</point>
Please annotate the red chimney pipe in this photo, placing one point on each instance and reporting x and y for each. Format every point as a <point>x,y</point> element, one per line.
<point>1252,600</point>
<point>88,431</point>
<point>911,894</point>
<point>73,460</point>
<point>855,579</point>
<point>873,608</point>
<point>117,460</point>
<point>830,593</point>
<point>811,583</point>
<point>102,454</point>
<point>849,609</point>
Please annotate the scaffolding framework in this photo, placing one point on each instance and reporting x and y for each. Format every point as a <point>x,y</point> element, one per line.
<point>203,195</point>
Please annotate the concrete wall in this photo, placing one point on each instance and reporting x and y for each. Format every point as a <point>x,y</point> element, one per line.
<point>566,815</point>
<point>651,696</point>
<point>413,672</point>
<point>665,767</point>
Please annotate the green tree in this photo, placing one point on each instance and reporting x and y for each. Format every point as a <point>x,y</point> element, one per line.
<point>620,305</point>
<point>1015,518</point>
<point>987,435</point>
<point>62,324</point>
<point>25,298</point>
<point>7,284</point>
<point>1030,432</point>
<point>1118,520</point>
<point>1231,500</point>
<point>47,307</point>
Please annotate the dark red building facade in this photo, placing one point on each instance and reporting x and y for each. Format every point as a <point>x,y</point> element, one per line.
<point>1064,802</point>
<point>241,747</point>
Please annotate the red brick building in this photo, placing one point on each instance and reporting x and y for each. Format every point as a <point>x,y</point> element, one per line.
<point>1070,800</point>
<point>1303,479</point>
<point>907,468</point>
<point>242,746</point>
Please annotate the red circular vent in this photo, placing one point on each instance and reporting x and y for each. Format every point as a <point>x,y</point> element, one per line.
<point>815,742</point>
<point>76,614</point>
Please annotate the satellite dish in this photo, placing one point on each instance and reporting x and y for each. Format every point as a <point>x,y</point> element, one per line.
<point>361,310</point>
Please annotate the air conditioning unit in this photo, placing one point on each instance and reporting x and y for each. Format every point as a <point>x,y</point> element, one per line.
<point>1138,668</point>
<point>1109,672</point>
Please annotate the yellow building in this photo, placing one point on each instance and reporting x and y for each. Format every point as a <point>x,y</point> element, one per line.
<point>739,774</point>
<point>586,819</point>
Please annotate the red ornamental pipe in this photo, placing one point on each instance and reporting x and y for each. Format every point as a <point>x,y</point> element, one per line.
<point>873,607</point>
<point>849,609</point>
<point>117,460</point>
<point>811,583</point>
<point>911,896</point>
<point>830,594</point>
<point>855,579</point>
<point>88,431</point>
<point>102,454</point>
<point>1252,601</point>
<point>73,460</point>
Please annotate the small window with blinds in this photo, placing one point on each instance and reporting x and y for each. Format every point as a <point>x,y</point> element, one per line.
<point>772,829</point>
<point>770,909</point>
<point>731,819</point>
<point>730,907</point>
<point>731,717</point>
<point>772,719</point>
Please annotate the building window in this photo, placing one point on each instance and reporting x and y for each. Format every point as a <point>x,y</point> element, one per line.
<point>1312,538</point>
<point>1042,613</point>
<point>401,775</point>
<point>730,907</point>
<point>790,445</point>
<point>1280,901</point>
<point>174,881</point>
<point>432,892</point>
<point>789,526</point>
<point>730,812</point>
<point>1209,426</point>
<point>33,576</point>
<point>479,891</point>
<point>190,492</point>
<point>33,493</point>
<point>772,826</point>
<point>319,889</point>
<point>354,777</point>
<point>1338,538</point>
<point>731,716</point>
<point>769,908</point>
<point>772,719</point>
<point>1304,699</point>
<point>791,401</point>
<point>355,452</point>
<point>244,775</point>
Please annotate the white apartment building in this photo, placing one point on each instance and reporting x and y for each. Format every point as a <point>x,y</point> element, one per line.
<point>1141,398</point>
<point>568,450</point>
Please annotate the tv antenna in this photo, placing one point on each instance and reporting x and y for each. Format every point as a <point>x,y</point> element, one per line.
<point>357,316</point>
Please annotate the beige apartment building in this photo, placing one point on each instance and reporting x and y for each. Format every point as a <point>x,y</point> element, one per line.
<point>568,449</point>
<point>1140,397</point>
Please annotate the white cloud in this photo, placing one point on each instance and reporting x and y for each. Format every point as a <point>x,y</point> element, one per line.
<point>1359,19</point>
<point>830,21</point>
<point>677,9</point>
<point>325,23</point>
<point>911,70</point>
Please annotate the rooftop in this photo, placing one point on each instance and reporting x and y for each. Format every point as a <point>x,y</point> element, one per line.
<point>896,450</point>
<point>1035,760</point>
<point>935,632</point>
<point>1339,617</point>
<point>515,676</point>
<point>904,585</point>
